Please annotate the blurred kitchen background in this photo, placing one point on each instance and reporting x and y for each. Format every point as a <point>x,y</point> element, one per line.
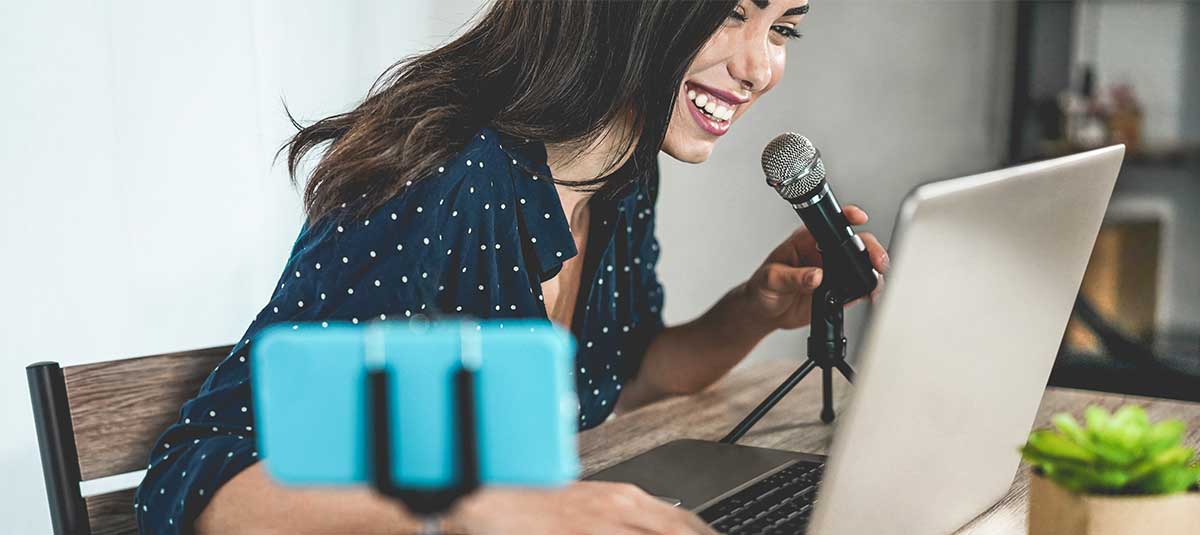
<point>143,213</point>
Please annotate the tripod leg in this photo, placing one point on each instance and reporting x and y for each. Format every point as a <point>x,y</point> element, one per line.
<point>769,402</point>
<point>827,394</point>
<point>846,370</point>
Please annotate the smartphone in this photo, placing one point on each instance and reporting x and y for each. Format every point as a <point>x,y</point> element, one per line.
<point>311,413</point>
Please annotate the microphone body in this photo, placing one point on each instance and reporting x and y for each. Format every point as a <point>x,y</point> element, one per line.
<point>843,254</point>
<point>794,168</point>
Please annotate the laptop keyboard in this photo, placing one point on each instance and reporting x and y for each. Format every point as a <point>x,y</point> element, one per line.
<point>778,504</point>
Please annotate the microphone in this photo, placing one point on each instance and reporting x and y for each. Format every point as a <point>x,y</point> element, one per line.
<point>793,167</point>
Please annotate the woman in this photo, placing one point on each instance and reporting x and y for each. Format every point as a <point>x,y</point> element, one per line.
<point>511,173</point>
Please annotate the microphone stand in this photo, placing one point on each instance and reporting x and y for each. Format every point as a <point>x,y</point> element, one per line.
<point>826,349</point>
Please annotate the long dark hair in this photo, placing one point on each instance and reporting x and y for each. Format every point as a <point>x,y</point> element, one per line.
<point>559,71</point>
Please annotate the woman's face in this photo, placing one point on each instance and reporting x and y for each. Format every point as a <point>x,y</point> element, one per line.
<point>741,62</point>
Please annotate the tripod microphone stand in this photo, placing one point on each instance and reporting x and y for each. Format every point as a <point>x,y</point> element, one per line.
<point>826,349</point>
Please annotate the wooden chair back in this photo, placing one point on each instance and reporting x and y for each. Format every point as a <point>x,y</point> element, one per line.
<point>101,419</point>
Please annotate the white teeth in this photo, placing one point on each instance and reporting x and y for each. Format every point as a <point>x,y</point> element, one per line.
<point>710,106</point>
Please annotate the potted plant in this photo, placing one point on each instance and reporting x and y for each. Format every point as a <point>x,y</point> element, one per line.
<point>1119,474</point>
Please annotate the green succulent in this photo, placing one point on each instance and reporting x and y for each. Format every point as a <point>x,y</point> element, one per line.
<point>1119,453</point>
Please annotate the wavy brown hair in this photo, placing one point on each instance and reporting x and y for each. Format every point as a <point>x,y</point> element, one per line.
<point>559,71</point>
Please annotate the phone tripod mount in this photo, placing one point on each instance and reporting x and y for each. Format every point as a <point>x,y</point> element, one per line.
<point>424,502</point>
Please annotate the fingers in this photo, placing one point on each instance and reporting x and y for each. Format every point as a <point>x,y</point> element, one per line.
<point>786,279</point>
<point>801,249</point>
<point>877,291</point>
<point>640,512</point>
<point>854,214</point>
<point>588,507</point>
<point>654,516</point>
<point>879,260</point>
<point>879,256</point>
<point>660,518</point>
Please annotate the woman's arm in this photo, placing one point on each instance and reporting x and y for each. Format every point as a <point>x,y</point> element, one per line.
<point>252,503</point>
<point>687,358</point>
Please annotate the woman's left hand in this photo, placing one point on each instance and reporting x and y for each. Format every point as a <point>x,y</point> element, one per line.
<point>780,291</point>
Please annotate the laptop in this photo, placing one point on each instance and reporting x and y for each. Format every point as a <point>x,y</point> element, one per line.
<point>952,368</point>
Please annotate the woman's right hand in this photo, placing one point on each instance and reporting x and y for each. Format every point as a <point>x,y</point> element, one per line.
<point>583,508</point>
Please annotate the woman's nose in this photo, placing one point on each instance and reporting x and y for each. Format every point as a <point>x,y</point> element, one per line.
<point>751,65</point>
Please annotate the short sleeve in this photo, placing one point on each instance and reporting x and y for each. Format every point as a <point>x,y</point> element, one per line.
<point>475,238</point>
<point>389,263</point>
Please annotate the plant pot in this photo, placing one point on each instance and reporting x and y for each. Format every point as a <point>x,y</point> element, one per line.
<point>1054,510</point>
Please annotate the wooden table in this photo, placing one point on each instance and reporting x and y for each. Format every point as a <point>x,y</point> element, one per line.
<point>794,425</point>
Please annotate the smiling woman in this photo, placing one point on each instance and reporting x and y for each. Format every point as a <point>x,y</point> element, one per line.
<point>510,173</point>
<point>517,70</point>
<point>726,78</point>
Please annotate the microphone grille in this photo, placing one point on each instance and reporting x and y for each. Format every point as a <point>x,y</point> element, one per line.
<point>793,165</point>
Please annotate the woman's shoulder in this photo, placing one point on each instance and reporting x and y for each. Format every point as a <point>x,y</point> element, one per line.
<point>480,161</point>
<point>483,181</point>
<point>487,160</point>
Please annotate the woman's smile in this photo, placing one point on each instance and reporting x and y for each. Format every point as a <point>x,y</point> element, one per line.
<point>712,109</point>
<point>741,61</point>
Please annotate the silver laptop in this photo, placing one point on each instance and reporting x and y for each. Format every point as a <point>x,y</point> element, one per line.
<point>951,370</point>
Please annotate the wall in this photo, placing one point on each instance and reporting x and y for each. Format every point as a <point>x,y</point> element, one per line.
<point>1191,87</point>
<point>925,97</point>
<point>143,214</point>
<point>1141,43</point>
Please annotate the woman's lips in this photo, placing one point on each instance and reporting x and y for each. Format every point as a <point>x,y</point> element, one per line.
<point>728,97</point>
<point>712,126</point>
<point>720,111</point>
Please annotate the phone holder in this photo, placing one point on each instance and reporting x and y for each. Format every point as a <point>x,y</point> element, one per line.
<point>421,501</point>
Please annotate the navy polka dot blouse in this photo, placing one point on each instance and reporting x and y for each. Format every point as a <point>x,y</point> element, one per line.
<point>476,238</point>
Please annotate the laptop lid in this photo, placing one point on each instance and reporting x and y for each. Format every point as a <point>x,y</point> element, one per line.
<point>959,349</point>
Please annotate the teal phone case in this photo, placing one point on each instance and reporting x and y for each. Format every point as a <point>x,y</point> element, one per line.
<point>310,398</point>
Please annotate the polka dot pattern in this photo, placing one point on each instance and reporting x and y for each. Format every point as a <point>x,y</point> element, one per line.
<point>477,237</point>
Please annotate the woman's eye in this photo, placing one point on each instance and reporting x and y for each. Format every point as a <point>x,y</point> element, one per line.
<point>737,14</point>
<point>787,31</point>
